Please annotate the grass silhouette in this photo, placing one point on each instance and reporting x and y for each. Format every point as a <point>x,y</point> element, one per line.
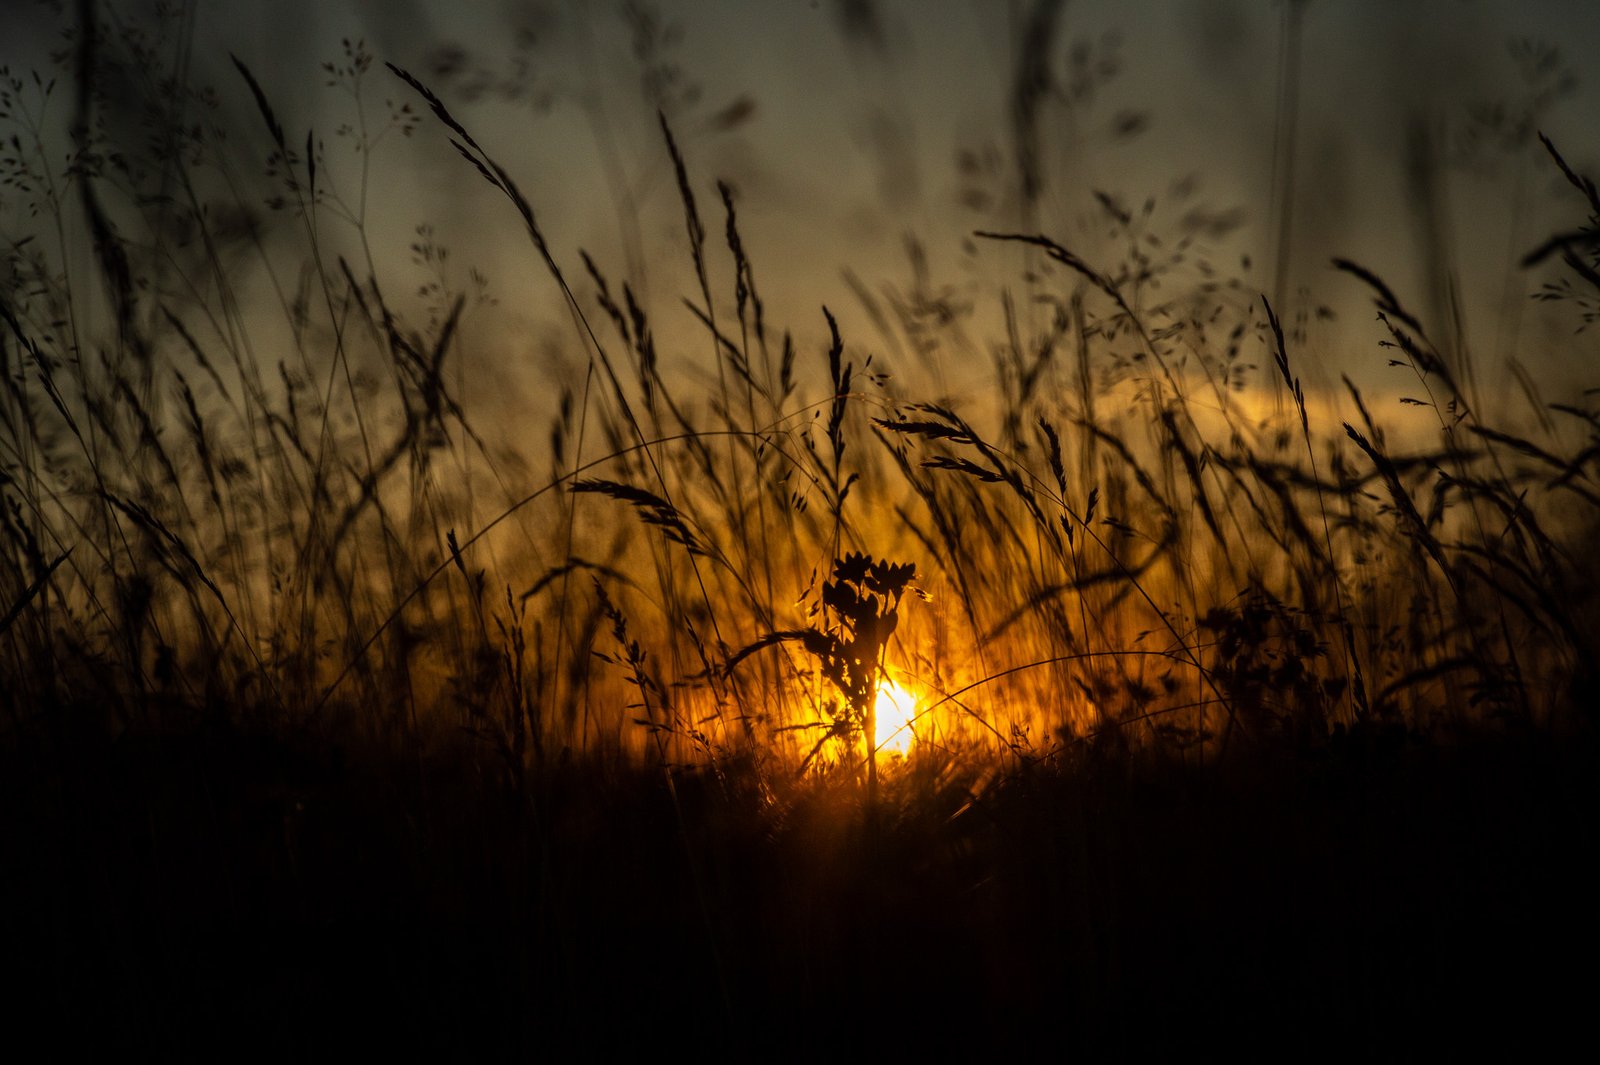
<point>1254,732</point>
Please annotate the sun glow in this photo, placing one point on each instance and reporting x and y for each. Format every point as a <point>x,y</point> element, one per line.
<point>894,709</point>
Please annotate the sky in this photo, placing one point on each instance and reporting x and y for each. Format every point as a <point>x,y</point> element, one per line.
<point>853,129</point>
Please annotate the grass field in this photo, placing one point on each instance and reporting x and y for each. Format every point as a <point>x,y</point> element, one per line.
<point>1225,718</point>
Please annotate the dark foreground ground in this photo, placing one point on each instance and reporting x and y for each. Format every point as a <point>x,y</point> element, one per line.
<point>233,894</point>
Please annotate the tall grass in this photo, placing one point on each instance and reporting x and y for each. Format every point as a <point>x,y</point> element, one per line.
<point>208,517</point>
<point>317,674</point>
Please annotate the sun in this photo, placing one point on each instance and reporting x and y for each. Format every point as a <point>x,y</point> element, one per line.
<point>894,710</point>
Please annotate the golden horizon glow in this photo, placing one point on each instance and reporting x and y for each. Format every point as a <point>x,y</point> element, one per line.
<point>893,710</point>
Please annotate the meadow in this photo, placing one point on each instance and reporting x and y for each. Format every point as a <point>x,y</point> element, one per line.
<point>1142,703</point>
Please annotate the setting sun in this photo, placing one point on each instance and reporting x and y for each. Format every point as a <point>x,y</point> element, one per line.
<point>894,711</point>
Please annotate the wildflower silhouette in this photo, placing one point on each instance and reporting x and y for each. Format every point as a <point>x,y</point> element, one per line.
<point>860,610</point>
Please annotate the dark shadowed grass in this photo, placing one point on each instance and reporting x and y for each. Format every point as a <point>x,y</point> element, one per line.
<point>1247,728</point>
